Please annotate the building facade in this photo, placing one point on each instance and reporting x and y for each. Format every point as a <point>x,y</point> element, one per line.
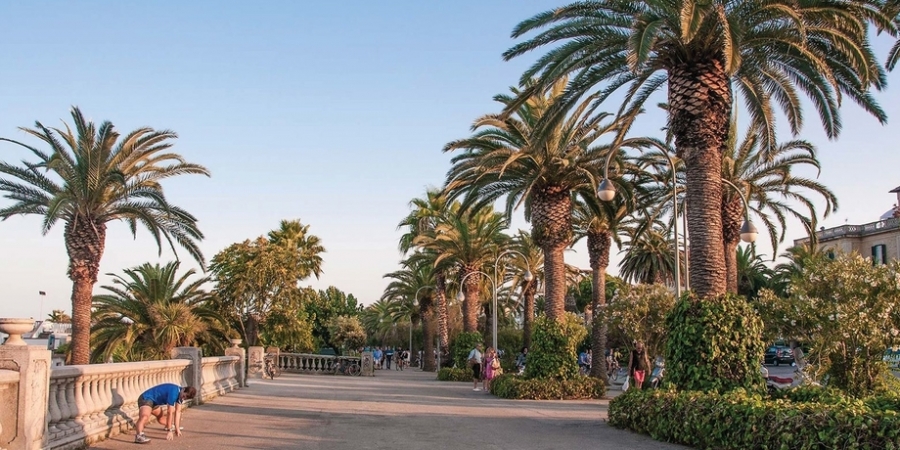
<point>878,240</point>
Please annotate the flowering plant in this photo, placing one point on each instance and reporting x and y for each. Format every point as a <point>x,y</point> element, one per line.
<point>847,309</point>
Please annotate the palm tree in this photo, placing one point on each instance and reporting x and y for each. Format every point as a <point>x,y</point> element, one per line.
<point>506,157</point>
<point>415,285</point>
<point>599,221</point>
<point>99,178</point>
<point>534,262</point>
<point>768,180</point>
<point>769,51</point>
<point>151,310</point>
<point>649,256</point>
<point>59,316</point>
<point>307,247</point>
<point>753,274</point>
<point>424,218</point>
<point>468,242</point>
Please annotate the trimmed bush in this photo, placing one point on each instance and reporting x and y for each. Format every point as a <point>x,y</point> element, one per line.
<point>519,388</point>
<point>454,374</point>
<point>714,344</point>
<point>462,345</point>
<point>742,420</point>
<point>553,348</point>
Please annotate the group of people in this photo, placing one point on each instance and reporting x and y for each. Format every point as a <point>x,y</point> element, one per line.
<point>485,366</point>
<point>384,359</point>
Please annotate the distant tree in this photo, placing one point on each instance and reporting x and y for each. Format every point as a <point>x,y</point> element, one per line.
<point>59,316</point>
<point>323,306</point>
<point>98,178</point>
<point>256,277</point>
<point>346,332</point>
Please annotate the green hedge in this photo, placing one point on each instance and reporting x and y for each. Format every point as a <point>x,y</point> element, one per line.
<point>519,388</point>
<point>740,420</point>
<point>454,374</point>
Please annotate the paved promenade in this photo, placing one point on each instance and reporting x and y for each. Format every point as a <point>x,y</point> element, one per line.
<point>394,410</point>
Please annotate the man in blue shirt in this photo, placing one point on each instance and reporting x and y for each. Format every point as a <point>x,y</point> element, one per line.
<point>151,402</point>
<point>377,355</point>
<point>388,356</point>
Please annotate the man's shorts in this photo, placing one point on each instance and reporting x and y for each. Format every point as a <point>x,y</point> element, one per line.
<point>145,402</point>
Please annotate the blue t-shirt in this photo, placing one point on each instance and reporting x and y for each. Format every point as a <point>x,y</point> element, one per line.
<point>377,354</point>
<point>164,394</point>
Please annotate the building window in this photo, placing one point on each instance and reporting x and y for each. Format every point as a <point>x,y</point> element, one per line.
<point>879,254</point>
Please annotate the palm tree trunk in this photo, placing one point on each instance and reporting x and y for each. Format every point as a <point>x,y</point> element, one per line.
<point>428,322</point>
<point>528,320</point>
<point>732,213</point>
<point>551,218</point>
<point>472,302</point>
<point>599,243</point>
<point>442,315</point>
<point>85,240</point>
<point>700,108</point>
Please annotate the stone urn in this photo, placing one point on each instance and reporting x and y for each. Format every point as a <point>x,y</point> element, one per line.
<point>235,343</point>
<point>15,328</point>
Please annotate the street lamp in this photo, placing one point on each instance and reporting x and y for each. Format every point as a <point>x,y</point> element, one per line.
<point>527,277</point>
<point>607,191</point>
<point>460,296</point>
<point>748,231</point>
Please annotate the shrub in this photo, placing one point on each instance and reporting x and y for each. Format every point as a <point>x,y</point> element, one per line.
<point>519,388</point>
<point>553,348</point>
<point>462,345</point>
<point>740,420</point>
<point>848,309</point>
<point>714,344</point>
<point>639,313</point>
<point>454,374</point>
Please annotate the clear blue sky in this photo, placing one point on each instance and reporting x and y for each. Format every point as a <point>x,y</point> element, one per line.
<point>330,112</point>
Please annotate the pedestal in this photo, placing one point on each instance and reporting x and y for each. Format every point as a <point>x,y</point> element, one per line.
<point>194,376</point>
<point>368,364</point>
<point>31,408</point>
<point>242,367</point>
<point>255,361</point>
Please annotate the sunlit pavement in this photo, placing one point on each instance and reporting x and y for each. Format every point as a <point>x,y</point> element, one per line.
<point>408,409</point>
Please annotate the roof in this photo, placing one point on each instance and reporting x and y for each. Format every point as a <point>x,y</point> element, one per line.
<point>896,189</point>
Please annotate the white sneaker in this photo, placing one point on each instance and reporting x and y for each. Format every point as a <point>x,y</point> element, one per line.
<point>141,439</point>
<point>476,389</point>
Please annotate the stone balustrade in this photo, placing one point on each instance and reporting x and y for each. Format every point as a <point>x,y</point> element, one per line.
<point>93,402</point>
<point>219,375</point>
<point>307,363</point>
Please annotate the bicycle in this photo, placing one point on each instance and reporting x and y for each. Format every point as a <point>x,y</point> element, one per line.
<point>347,367</point>
<point>270,366</point>
<point>612,369</point>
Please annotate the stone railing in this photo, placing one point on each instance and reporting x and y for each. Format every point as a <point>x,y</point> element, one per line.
<point>322,364</point>
<point>856,230</point>
<point>93,402</point>
<point>44,408</point>
<point>9,390</point>
<point>219,375</point>
<point>307,363</point>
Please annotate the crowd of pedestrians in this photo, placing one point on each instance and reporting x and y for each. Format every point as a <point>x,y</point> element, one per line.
<point>389,357</point>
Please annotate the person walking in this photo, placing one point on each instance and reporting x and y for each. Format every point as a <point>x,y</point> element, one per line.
<point>474,361</point>
<point>638,365</point>
<point>388,356</point>
<point>377,355</point>
<point>151,403</point>
<point>491,367</point>
<point>520,360</point>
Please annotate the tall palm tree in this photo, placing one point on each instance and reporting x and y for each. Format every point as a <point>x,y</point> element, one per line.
<point>753,274</point>
<point>769,51</point>
<point>98,176</point>
<point>467,241</point>
<point>768,180</point>
<point>506,157</point>
<point>598,222</point>
<point>423,219</point>
<point>151,310</point>
<point>415,285</point>
<point>534,262</point>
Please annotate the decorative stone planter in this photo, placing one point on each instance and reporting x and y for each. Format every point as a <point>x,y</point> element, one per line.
<point>235,343</point>
<point>15,328</point>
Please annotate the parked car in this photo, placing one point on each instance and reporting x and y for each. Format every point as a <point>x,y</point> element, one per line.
<point>778,354</point>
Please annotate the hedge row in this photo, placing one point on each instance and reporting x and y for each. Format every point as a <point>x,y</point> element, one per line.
<point>454,374</point>
<point>738,420</point>
<point>515,387</point>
